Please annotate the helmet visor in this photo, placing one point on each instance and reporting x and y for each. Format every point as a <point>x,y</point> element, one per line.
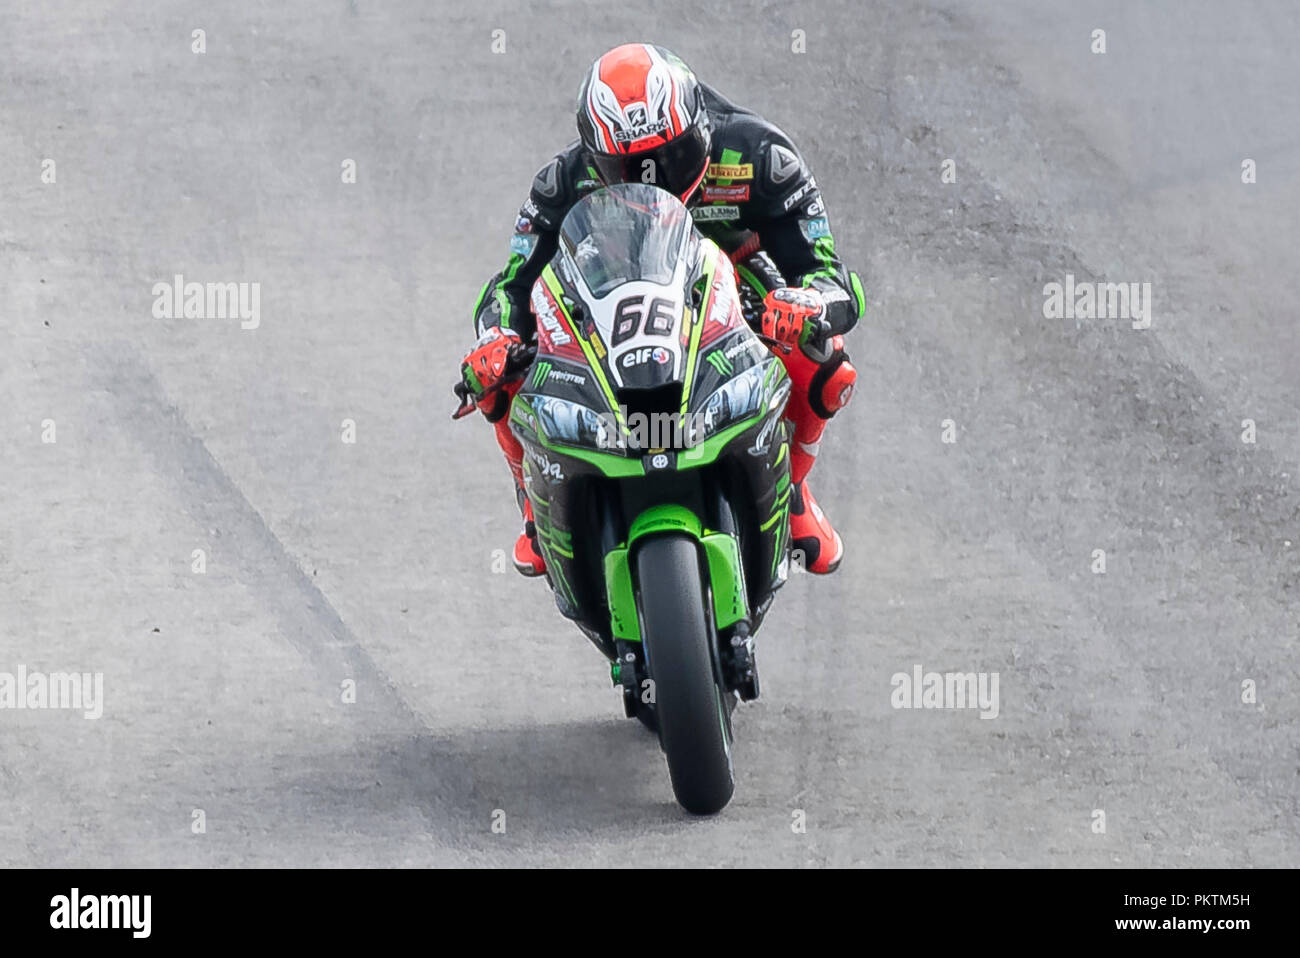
<point>675,166</point>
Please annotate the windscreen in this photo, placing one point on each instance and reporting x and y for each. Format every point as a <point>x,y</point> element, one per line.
<point>625,232</point>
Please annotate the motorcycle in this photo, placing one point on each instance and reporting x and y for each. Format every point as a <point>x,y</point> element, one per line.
<point>656,460</point>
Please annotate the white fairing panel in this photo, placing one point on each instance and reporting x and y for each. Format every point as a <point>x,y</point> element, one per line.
<point>654,338</point>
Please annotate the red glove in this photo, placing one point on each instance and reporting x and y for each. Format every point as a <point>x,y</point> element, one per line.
<point>498,356</point>
<point>793,315</point>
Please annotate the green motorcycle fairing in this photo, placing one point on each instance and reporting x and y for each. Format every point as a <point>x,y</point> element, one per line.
<point>596,488</point>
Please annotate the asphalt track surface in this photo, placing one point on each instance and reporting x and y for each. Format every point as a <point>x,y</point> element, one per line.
<point>374,561</point>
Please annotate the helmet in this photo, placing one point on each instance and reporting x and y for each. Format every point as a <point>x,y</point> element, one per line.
<point>642,120</point>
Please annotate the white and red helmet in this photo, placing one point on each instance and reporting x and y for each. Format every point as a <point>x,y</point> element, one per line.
<point>641,117</point>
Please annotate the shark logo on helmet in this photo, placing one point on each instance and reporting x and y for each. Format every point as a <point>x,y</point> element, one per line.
<point>624,108</point>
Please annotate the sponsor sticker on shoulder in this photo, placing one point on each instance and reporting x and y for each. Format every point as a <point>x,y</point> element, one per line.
<point>801,193</point>
<point>730,171</point>
<point>530,211</point>
<point>706,213</point>
<point>781,163</point>
<point>548,180</point>
<point>523,244</point>
<point>815,228</point>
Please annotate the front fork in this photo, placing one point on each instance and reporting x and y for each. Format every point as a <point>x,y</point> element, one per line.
<point>727,595</point>
<point>629,671</point>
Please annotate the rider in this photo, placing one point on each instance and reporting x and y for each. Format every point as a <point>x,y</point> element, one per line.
<point>643,117</point>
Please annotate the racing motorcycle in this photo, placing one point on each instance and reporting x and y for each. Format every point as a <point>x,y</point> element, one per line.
<point>656,460</point>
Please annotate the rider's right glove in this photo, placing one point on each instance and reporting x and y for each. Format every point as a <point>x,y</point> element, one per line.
<point>497,357</point>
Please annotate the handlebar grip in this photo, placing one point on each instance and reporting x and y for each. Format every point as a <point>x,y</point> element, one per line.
<point>519,359</point>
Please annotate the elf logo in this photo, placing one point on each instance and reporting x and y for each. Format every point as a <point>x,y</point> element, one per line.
<point>131,912</point>
<point>636,357</point>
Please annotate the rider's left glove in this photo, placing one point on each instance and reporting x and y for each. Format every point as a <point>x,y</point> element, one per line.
<point>794,316</point>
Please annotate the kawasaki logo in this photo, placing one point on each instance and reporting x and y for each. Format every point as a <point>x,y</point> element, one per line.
<point>549,468</point>
<point>720,362</point>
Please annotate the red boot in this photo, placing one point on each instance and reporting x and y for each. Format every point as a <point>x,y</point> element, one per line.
<point>528,558</point>
<point>816,544</point>
<point>821,385</point>
<point>485,383</point>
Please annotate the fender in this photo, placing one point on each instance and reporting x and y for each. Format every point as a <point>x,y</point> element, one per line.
<point>721,552</point>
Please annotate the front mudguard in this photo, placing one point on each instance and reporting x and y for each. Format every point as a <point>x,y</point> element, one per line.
<point>726,573</point>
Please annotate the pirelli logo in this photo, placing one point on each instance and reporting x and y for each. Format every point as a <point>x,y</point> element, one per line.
<point>730,171</point>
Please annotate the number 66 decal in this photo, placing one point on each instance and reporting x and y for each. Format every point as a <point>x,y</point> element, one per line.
<point>657,314</point>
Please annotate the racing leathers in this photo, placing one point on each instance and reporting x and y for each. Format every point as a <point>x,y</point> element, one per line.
<point>760,203</point>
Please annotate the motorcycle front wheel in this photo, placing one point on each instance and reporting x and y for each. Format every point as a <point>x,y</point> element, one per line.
<point>690,700</point>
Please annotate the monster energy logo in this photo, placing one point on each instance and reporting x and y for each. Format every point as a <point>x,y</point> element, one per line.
<point>720,362</point>
<point>544,372</point>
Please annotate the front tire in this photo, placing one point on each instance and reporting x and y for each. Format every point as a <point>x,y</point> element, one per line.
<point>694,721</point>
